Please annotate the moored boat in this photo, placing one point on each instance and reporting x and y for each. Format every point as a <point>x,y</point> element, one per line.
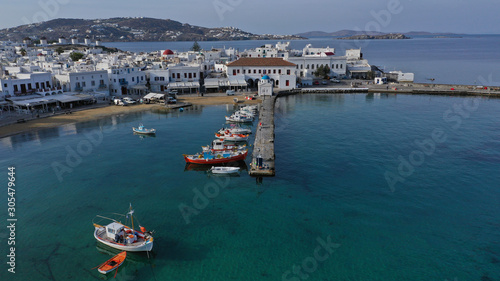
<point>232,137</point>
<point>113,263</point>
<point>144,131</point>
<point>120,236</point>
<point>215,158</point>
<point>219,145</point>
<point>235,130</point>
<point>239,118</point>
<point>224,170</point>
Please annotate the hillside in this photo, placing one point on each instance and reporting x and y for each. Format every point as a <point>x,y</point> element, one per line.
<point>340,33</point>
<point>129,29</point>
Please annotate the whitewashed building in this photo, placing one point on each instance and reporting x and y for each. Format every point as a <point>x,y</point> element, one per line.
<point>127,81</point>
<point>281,72</point>
<point>89,81</point>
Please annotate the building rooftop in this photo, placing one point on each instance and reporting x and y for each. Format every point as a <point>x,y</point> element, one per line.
<point>261,62</point>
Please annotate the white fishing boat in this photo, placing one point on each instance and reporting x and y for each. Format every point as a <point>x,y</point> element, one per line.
<point>120,236</point>
<point>224,170</point>
<point>239,118</point>
<point>143,131</point>
<point>235,130</point>
<point>219,145</point>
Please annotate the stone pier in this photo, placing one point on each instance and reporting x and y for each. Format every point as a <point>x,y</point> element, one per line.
<point>263,150</point>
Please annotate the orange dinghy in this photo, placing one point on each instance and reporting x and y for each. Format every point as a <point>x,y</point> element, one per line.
<point>113,263</point>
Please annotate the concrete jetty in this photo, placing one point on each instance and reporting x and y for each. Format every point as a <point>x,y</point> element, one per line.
<point>263,150</point>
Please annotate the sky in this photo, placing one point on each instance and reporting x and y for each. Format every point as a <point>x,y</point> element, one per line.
<point>277,17</point>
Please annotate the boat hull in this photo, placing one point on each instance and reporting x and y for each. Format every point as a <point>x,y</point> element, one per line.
<point>203,161</point>
<point>108,266</point>
<point>145,246</point>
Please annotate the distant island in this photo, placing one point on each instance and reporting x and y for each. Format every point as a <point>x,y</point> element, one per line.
<point>376,37</point>
<point>346,34</point>
<point>130,30</point>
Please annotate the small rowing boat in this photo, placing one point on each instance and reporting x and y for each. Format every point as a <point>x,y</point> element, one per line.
<point>113,263</point>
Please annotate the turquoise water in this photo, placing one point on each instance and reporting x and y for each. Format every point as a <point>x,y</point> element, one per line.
<point>333,153</point>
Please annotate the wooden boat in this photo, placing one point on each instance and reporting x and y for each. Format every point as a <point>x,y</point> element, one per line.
<point>143,131</point>
<point>219,145</point>
<point>113,263</point>
<point>120,236</point>
<point>232,137</point>
<point>235,130</point>
<point>239,118</point>
<point>224,170</point>
<point>215,158</point>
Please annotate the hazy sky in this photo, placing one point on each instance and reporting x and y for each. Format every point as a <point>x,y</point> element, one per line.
<point>277,17</point>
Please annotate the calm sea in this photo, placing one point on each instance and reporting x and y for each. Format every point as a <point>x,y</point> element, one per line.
<point>472,59</point>
<point>368,187</point>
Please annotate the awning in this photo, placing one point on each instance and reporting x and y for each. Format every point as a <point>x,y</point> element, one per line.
<point>183,85</point>
<point>154,96</point>
<point>33,102</point>
<point>235,81</point>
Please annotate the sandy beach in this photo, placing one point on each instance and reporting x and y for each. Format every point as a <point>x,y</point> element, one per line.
<point>80,115</point>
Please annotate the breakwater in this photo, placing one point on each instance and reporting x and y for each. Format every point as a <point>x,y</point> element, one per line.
<point>263,151</point>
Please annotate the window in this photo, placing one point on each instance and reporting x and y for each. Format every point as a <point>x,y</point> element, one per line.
<point>254,71</point>
<point>48,84</point>
<point>84,84</point>
<point>133,79</point>
<point>312,66</point>
<point>264,71</point>
<point>274,71</point>
<point>190,75</point>
<point>15,88</point>
<point>157,78</point>
<point>37,85</point>
<point>234,71</point>
<point>238,71</point>
<point>93,83</point>
<point>307,67</point>
<point>260,71</point>
<point>288,72</point>
<point>178,76</point>
<point>173,75</point>
<point>287,83</point>
<point>29,86</point>
<point>279,71</point>
<point>341,66</point>
<point>194,75</point>
<point>277,82</point>
<point>243,71</point>
<point>115,80</point>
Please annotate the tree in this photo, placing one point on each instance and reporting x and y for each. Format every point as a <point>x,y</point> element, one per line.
<point>76,56</point>
<point>196,47</point>
<point>23,52</point>
<point>322,71</point>
<point>59,50</point>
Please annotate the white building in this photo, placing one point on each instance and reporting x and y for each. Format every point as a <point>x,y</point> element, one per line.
<point>20,84</point>
<point>89,81</point>
<point>281,73</point>
<point>127,80</point>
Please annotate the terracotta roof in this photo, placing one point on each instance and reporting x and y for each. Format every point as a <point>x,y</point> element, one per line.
<point>261,62</point>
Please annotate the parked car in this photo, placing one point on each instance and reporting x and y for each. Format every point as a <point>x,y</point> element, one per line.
<point>334,80</point>
<point>324,82</point>
<point>129,100</point>
<point>171,100</point>
<point>230,92</point>
<point>316,82</point>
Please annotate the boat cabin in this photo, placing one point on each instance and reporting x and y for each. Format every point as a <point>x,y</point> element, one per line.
<point>114,229</point>
<point>218,145</point>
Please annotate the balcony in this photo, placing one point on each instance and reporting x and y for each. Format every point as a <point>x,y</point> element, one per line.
<point>123,83</point>
<point>78,89</point>
<point>103,86</point>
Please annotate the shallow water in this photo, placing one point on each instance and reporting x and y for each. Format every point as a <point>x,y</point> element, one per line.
<point>332,155</point>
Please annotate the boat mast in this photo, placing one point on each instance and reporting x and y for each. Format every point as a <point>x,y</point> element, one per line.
<point>131,212</point>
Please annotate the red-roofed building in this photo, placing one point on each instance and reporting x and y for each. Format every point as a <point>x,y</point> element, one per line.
<point>281,72</point>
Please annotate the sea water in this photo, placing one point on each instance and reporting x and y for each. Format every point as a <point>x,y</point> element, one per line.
<point>469,60</point>
<point>367,187</point>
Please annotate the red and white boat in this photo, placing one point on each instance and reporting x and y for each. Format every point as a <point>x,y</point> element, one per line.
<point>235,130</point>
<point>232,137</point>
<point>219,145</point>
<point>216,157</point>
<point>113,263</point>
